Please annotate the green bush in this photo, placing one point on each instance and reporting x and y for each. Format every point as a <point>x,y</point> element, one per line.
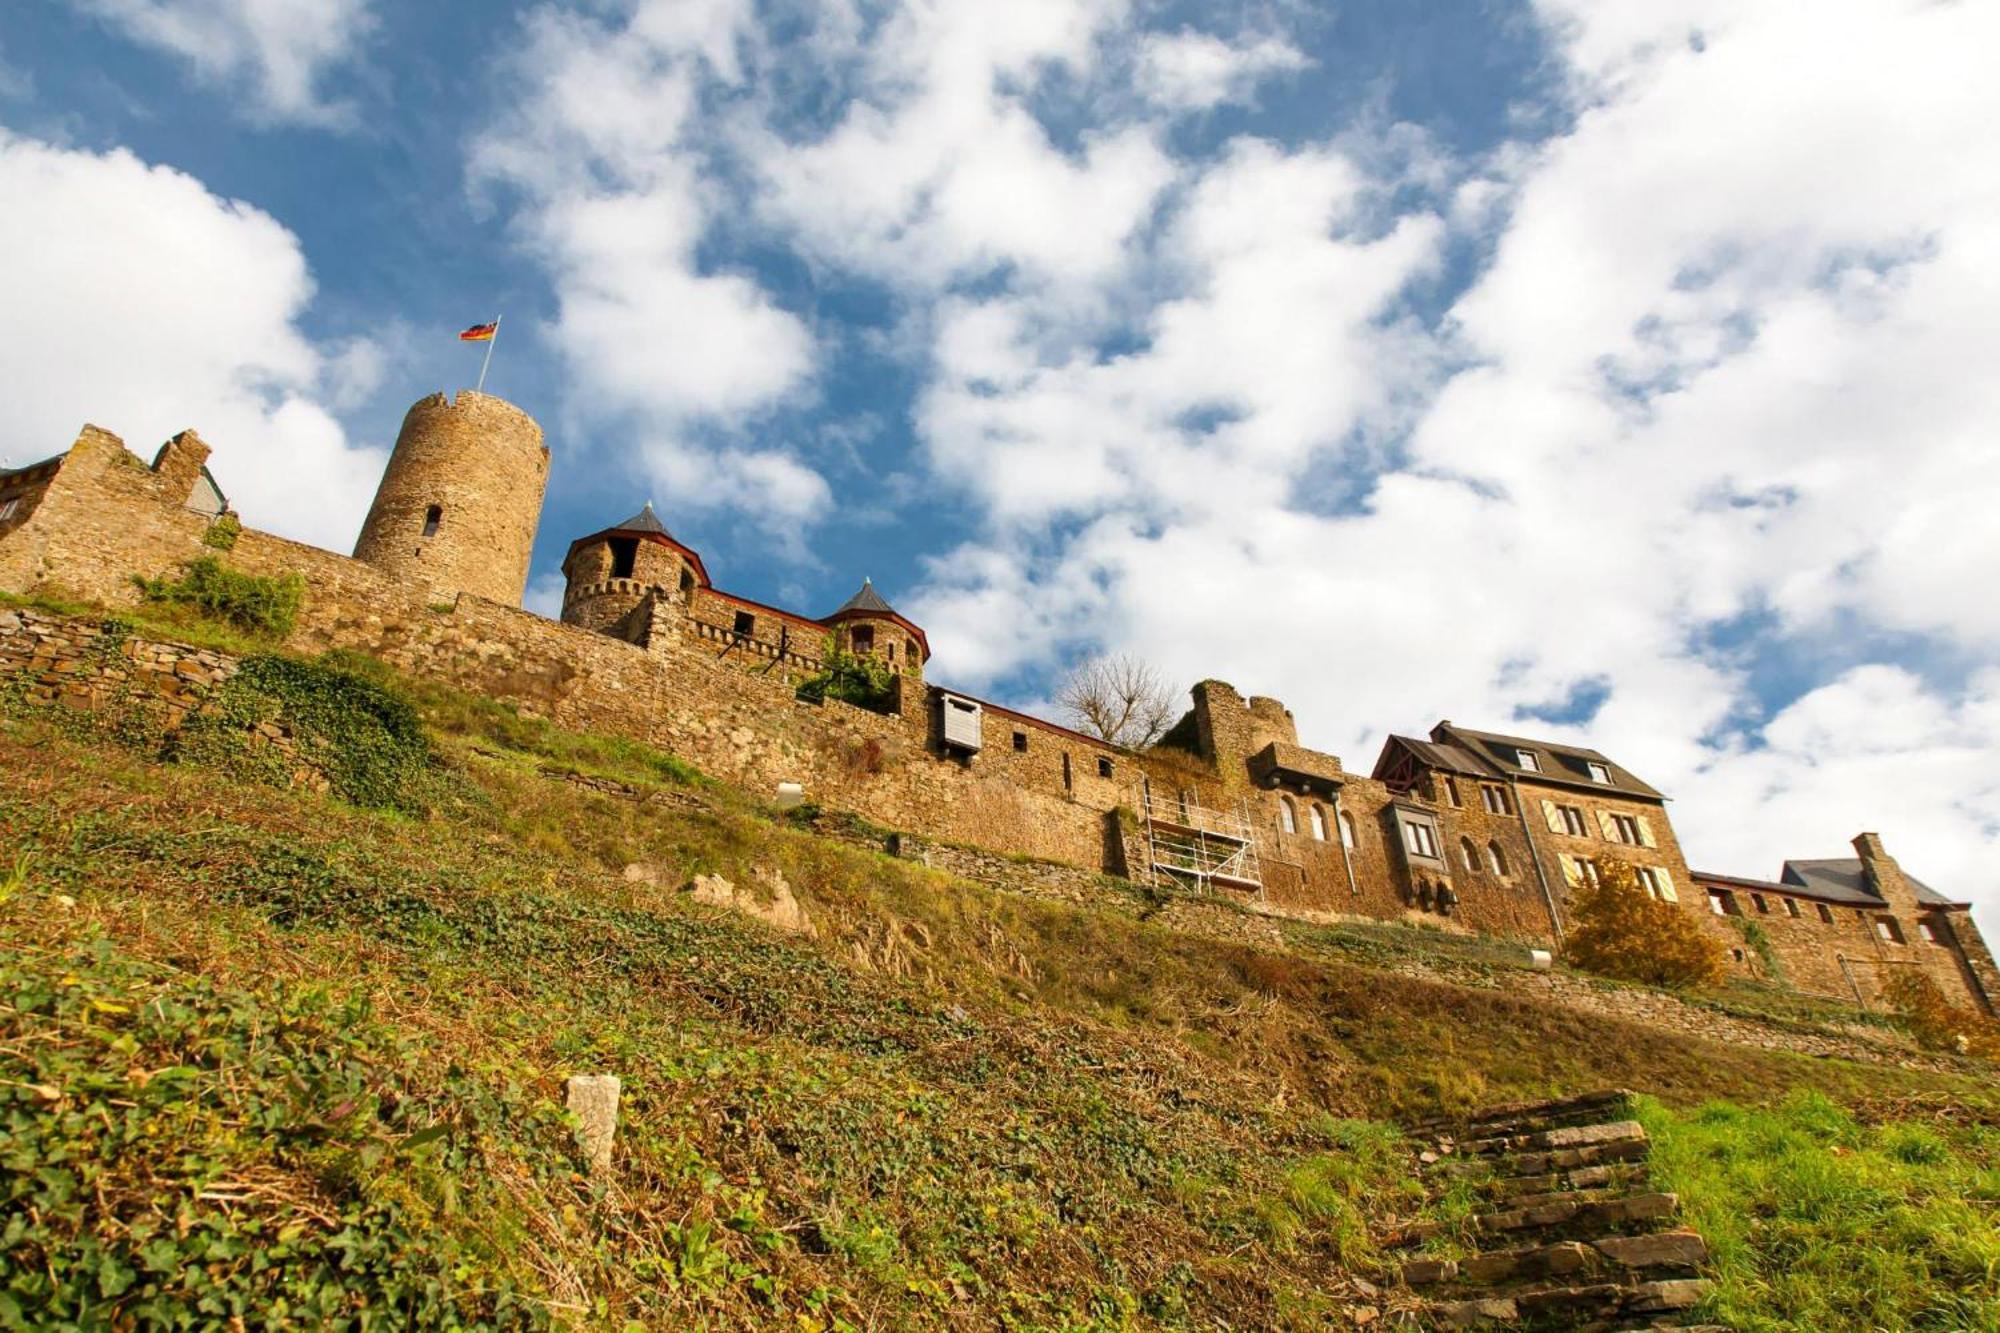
<point>859,679</point>
<point>266,605</point>
<point>358,730</point>
<point>222,533</point>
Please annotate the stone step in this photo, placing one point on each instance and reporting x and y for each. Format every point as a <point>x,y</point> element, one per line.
<point>1565,1136</point>
<point>1518,1190</point>
<point>1655,1254</point>
<point>1506,1111</point>
<point>1587,1306</point>
<point>1572,1214</point>
<point>1532,1164</point>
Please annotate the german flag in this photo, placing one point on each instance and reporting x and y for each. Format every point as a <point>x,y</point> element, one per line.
<point>479,333</point>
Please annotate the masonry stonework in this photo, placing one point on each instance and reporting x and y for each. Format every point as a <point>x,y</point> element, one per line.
<point>1462,830</point>
<point>461,499</point>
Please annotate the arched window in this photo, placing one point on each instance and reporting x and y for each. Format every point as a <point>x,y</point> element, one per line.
<point>1288,815</point>
<point>1347,830</point>
<point>1496,858</point>
<point>1467,854</point>
<point>432,517</point>
<point>1318,822</point>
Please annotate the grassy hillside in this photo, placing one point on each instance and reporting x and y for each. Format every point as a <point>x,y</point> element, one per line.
<point>269,1052</point>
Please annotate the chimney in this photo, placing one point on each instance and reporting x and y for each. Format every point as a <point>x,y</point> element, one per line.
<point>178,464</point>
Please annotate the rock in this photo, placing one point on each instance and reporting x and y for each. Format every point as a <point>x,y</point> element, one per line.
<point>593,1100</point>
<point>636,873</point>
<point>781,909</point>
<point>1680,1249</point>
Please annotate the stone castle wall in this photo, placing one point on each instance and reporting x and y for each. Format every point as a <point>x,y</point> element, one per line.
<point>678,676</point>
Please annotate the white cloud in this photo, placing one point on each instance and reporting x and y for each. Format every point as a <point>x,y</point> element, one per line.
<point>1196,70</point>
<point>279,50</point>
<point>141,302</point>
<point>1730,355</point>
<point>613,201</point>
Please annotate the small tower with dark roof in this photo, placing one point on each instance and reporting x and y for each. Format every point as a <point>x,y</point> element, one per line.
<point>868,626</point>
<point>610,573</point>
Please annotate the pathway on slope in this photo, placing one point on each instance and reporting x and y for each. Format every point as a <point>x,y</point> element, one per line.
<point>1569,1232</point>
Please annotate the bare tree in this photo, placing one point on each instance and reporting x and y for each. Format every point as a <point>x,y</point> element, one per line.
<point>1120,699</point>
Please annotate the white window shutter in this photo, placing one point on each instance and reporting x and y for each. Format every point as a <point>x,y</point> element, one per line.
<point>1552,816</point>
<point>1570,875</point>
<point>1666,883</point>
<point>1646,833</point>
<point>1604,823</point>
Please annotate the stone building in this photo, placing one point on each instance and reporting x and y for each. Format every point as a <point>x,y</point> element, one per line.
<point>1465,830</point>
<point>1846,926</point>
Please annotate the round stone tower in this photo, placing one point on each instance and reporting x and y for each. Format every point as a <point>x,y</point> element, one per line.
<point>867,625</point>
<point>459,503</point>
<point>607,574</point>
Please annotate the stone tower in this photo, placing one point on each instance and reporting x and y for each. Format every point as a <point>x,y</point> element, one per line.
<point>459,503</point>
<point>867,625</point>
<point>609,573</point>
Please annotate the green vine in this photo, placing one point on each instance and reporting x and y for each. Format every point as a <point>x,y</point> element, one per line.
<point>361,733</point>
<point>222,533</point>
<point>856,678</point>
<point>1758,940</point>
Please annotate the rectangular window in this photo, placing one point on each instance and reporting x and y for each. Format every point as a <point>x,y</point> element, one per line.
<point>1103,767</point>
<point>1625,829</point>
<point>1825,913</point>
<point>1889,929</point>
<point>1419,839</point>
<point>746,623</point>
<point>624,555</point>
<point>1649,880</point>
<point>1069,782</point>
<point>1528,761</point>
<point>1494,799</point>
<point>1763,908</point>
<point>432,518</point>
<point>1791,907</point>
<point>1021,740</point>
<point>1718,903</point>
<point>7,508</point>
<point>1451,791</point>
<point>1928,931</point>
<point>1599,774</point>
<point>1573,821</point>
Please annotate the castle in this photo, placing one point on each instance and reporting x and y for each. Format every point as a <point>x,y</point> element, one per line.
<point>1465,829</point>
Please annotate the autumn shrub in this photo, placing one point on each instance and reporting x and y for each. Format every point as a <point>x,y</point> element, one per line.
<point>1618,929</point>
<point>1935,1021</point>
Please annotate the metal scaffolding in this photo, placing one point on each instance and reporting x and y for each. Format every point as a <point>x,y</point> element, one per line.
<point>1191,846</point>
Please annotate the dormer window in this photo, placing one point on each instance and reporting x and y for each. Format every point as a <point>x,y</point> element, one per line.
<point>1527,760</point>
<point>432,518</point>
<point>1599,773</point>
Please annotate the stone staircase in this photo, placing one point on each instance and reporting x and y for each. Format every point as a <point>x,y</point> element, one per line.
<point>1571,1234</point>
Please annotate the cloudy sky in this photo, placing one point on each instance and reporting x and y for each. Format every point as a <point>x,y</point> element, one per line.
<point>1620,370</point>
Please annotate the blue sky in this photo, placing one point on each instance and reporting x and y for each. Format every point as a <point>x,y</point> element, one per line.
<point>1616,369</point>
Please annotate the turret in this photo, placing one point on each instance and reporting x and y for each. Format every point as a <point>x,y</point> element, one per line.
<point>461,498</point>
<point>609,573</point>
<point>868,626</point>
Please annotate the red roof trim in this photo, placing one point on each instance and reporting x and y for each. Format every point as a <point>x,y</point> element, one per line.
<point>915,633</point>
<point>700,570</point>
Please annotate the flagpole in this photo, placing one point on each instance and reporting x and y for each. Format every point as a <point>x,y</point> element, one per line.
<point>489,354</point>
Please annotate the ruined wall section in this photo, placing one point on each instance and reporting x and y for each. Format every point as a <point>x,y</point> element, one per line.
<point>104,517</point>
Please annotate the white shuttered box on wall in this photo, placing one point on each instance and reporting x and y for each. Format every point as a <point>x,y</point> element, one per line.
<point>963,719</point>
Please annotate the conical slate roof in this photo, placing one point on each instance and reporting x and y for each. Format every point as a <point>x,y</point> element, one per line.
<point>643,521</point>
<point>867,600</point>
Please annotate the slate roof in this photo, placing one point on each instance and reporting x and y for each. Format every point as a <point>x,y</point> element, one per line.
<point>867,601</point>
<point>1842,880</point>
<point>1489,753</point>
<point>644,521</point>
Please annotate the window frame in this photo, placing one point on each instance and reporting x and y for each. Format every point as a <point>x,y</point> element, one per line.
<point>433,521</point>
<point>1493,797</point>
<point>1599,773</point>
<point>1288,816</point>
<point>1316,820</point>
<point>1527,759</point>
<point>1574,823</point>
<point>744,626</point>
<point>1350,836</point>
<point>1420,839</point>
<point>1627,827</point>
